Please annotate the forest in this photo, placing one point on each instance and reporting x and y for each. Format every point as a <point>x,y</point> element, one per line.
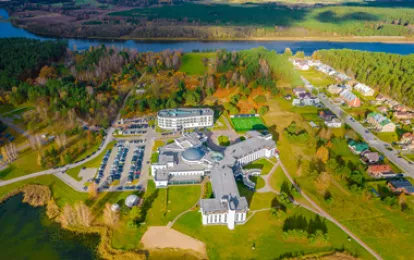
<point>22,58</point>
<point>390,74</point>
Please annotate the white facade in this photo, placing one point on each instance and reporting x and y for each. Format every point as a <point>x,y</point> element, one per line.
<point>364,90</point>
<point>174,119</point>
<point>334,123</point>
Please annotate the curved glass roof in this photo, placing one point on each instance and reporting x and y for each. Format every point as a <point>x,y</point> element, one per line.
<point>193,154</point>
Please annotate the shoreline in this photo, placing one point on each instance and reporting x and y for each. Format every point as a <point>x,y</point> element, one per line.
<point>348,39</point>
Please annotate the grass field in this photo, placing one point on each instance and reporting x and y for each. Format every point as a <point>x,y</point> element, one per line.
<point>277,179</point>
<point>262,164</point>
<point>25,164</point>
<point>170,202</point>
<point>192,63</point>
<point>248,123</point>
<point>263,232</point>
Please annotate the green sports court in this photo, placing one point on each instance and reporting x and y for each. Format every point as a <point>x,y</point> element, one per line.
<point>242,124</point>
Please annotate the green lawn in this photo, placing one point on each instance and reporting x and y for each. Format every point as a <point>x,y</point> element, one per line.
<point>61,192</point>
<point>277,179</point>
<point>264,232</point>
<point>157,144</point>
<point>94,163</point>
<point>192,63</point>
<point>262,164</point>
<point>248,123</point>
<point>318,79</point>
<point>25,164</point>
<point>388,137</point>
<point>223,140</point>
<point>170,202</point>
<point>154,157</point>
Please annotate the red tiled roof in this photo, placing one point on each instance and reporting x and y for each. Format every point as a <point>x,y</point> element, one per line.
<point>379,168</point>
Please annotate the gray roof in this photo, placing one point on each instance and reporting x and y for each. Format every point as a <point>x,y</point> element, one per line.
<point>403,183</point>
<point>250,145</point>
<point>223,182</point>
<point>372,156</point>
<point>185,112</point>
<point>217,205</point>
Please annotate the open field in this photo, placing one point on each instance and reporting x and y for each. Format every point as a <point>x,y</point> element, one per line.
<point>262,164</point>
<point>243,124</point>
<point>170,202</point>
<point>263,232</point>
<point>25,164</point>
<point>192,63</point>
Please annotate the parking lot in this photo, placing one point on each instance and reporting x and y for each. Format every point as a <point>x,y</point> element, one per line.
<point>121,167</point>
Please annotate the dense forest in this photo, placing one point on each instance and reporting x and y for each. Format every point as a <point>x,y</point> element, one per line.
<point>391,74</point>
<point>22,58</point>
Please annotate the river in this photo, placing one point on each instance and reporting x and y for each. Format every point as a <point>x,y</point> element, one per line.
<point>27,233</point>
<point>8,30</point>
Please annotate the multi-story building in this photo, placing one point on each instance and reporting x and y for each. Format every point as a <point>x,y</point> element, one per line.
<point>179,118</point>
<point>187,160</point>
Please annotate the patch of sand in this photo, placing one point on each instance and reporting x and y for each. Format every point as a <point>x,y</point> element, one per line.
<point>161,237</point>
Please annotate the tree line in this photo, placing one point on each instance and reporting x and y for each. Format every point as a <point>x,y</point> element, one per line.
<point>390,74</point>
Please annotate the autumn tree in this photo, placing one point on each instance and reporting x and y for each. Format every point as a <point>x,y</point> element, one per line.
<point>111,218</point>
<point>93,190</point>
<point>83,214</point>
<point>322,182</point>
<point>288,52</point>
<point>322,154</point>
<point>68,216</point>
<point>52,209</point>
<point>9,152</point>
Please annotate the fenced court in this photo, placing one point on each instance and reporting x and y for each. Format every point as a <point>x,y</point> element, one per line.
<point>242,123</point>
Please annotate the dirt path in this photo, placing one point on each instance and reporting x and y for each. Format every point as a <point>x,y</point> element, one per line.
<point>159,237</point>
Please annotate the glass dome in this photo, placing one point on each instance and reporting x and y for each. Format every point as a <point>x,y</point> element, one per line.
<point>193,154</point>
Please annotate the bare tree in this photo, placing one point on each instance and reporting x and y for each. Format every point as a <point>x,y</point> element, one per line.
<point>111,218</point>
<point>9,152</point>
<point>93,190</point>
<point>84,214</point>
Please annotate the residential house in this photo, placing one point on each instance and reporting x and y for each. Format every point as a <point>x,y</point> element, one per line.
<point>299,91</point>
<point>401,185</point>
<point>338,101</point>
<point>364,90</point>
<point>288,97</point>
<point>337,88</point>
<point>383,109</point>
<point>403,115</point>
<point>399,108</point>
<point>380,170</point>
<point>308,101</point>
<point>350,98</point>
<point>370,157</point>
<point>407,138</point>
<point>381,123</point>
<point>334,123</point>
<point>342,77</point>
<point>357,147</point>
<point>301,64</point>
<point>326,115</point>
<point>380,98</point>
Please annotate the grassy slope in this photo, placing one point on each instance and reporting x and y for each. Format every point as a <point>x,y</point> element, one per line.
<point>263,164</point>
<point>192,63</point>
<point>25,164</point>
<point>264,232</point>
<point>172,201</point>
<point>384,229</point>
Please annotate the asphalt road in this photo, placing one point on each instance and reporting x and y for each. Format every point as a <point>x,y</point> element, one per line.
<point>372,140</point>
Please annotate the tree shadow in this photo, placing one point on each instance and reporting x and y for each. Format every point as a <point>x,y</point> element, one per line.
<point>332,17</point>
<point>147,205</point>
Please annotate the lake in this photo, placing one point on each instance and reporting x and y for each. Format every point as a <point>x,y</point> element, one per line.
<point>8,30</point>
<point>27,233</point>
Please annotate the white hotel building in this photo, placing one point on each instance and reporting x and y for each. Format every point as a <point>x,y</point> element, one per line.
<point>179,118</point>
<point>187,160</point>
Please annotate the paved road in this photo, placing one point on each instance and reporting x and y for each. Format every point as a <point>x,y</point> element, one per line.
<point>327,216</point>
<point>372,140</point>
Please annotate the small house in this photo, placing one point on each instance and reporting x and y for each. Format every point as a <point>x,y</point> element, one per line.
<point>401,185</point>
<point>380,170</point>
<point>381,123</point>
<point>383,109</point>
<point>299,91</point>
<point>364,90</point>
<point>403,115</point>
<point>357,147</point>
<point>370,157</point>
<point>350,98</point>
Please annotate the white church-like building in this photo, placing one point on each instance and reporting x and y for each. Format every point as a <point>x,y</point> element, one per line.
<point>188,159</point>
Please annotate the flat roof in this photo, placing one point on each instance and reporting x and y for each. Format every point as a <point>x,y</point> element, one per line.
<point>185,112</point>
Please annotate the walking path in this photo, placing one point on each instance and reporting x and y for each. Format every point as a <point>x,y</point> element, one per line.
<point>327,216</point>
<point>266,178</point>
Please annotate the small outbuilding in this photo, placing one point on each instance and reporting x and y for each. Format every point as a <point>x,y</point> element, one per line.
<point>115,207</point>
<point>131,200</point>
